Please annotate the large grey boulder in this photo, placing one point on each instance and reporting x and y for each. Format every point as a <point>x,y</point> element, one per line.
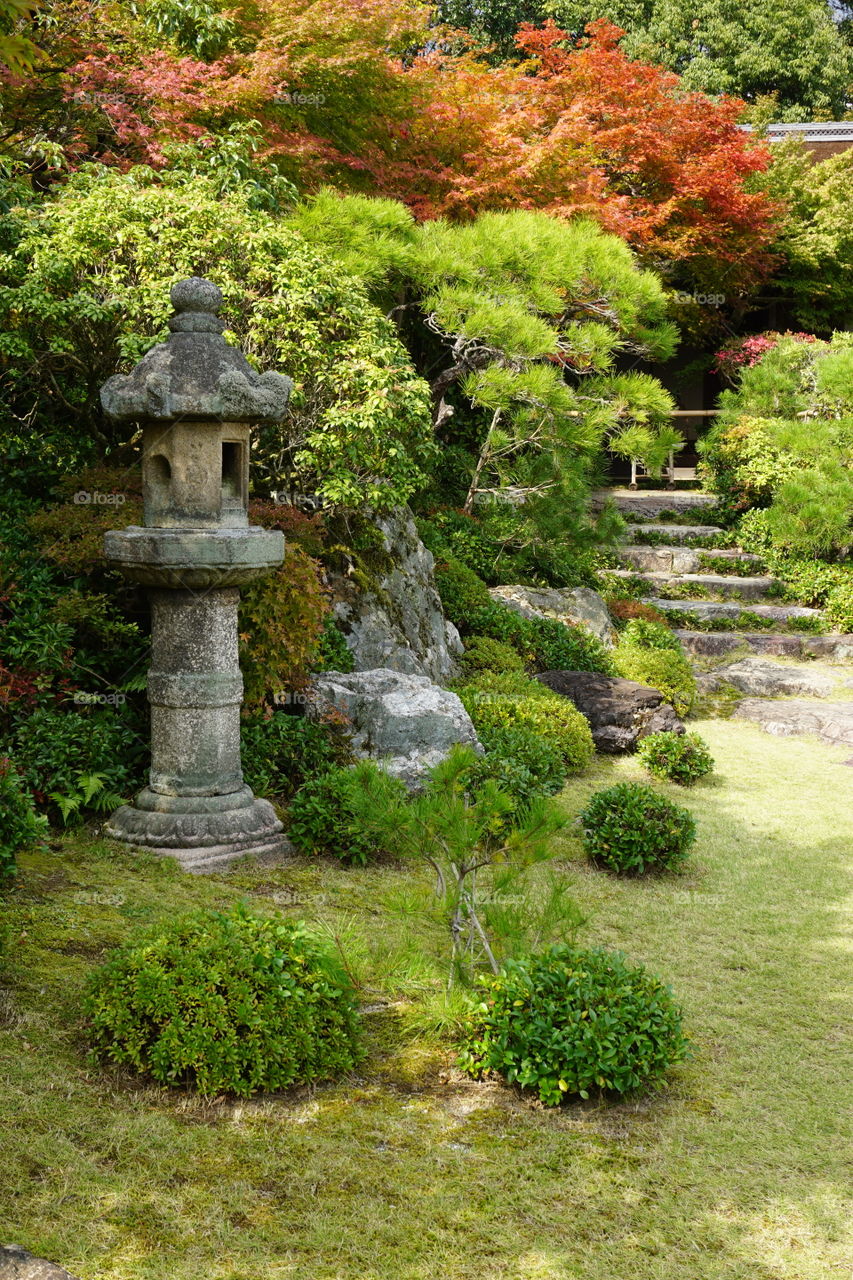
<point>620,712</point>
<point>404,721</point>
<point>577,606</point>
<point>17,1264</point>
<point>397,621</point>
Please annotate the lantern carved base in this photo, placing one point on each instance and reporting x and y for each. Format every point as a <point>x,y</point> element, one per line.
<point>203,833</point>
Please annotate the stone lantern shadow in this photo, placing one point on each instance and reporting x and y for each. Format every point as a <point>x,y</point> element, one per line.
<point>195,398</point>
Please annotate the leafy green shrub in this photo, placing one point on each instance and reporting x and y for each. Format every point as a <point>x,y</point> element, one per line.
<point>521,762</point>
<point>282,619</point>
<point>569,1021</point>
<point>682,758</point>
<point>753,531</point>
<point>839,607</point>
<point>281,752</point>
<point>512,701</point>
<point>334,654</point>
<point>643,634</point>
<point>629,828</point>
<point>225,1002</point>
<point>59,752</point>
<point>324,815</point>
<point>545,644</point>
<point>89,284</point>
<point>558,647</point>
<point>20,826</point>
<point>461,591</point>
<point>482,653</point>
<point>661,669</point>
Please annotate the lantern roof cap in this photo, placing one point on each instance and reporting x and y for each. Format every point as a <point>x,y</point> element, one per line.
<point>195,374</point>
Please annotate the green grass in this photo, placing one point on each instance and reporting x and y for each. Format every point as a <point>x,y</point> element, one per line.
<point>407,1170</point>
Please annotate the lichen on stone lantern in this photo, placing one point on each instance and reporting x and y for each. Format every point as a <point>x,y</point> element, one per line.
<point>195,398</point>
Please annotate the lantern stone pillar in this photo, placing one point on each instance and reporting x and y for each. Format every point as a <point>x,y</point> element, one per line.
<point>195,397</point>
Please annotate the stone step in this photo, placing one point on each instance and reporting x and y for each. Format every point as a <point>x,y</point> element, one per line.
<point>711,609</point>
<point>675,532</point>
<point>719,583</point>
<point>717,644</point>
<point>763,678</point>
<point>832,722</point>
<point>681,559</point>
<point>651,502</point>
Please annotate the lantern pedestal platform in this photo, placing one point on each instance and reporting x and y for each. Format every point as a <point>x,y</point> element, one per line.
<point>204,833</point>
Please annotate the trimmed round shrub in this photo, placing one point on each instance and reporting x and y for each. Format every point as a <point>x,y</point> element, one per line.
<point>224,1002</point>
<point>513,701</point>
<point>282,752</point>
<point>482,653</point>
<point>570,1021</point>
<point>630,829</point>
<point>662,669</point>
<point>323,817</point>
<point>680,757</point>
<point>20,825</point>
<point>523,764</point>
<point>642,634</point>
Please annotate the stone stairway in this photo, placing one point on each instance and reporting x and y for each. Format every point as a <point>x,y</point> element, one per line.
<point>809,691</point>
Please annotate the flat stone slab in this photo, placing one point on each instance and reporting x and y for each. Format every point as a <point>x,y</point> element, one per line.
<point>680,560</point>
<point>17,1264</point>
<point>676,532</point>
<point>650,502</point>
<point>620,712</point>
<point>729,609</point>
<point>714,644</point>
<point>740,588</point>
<point>832,722</point>
<point>766,679</point>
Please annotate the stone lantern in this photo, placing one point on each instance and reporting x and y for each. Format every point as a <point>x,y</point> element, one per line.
<point>195,397</point>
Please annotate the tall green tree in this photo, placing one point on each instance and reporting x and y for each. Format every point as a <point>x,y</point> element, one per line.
<point>815,242</point>
<point>520,320</point>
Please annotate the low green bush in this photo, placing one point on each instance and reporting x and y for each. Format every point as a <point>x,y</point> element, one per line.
<point>461,591</point>
<point>570,1021</point>
<point>20,826</point>
<point>230,1003</point>
<point>512,701</point>
<point>325,818</point>
<point>523,764</point>
<point>661,669</point>
<point>682,758</point>
<point>281,752</point>
<point>630,829</point>
<point>482,653</point>
<point>74,762</point>
<point>838,612</point>
<point>334,652</point>
<point>544,644</point>
<point>643,634</point>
